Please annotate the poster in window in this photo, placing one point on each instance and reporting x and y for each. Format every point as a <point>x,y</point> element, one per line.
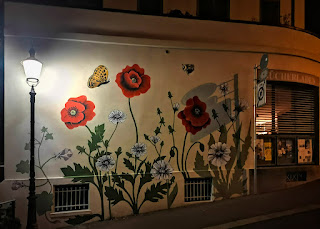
<point>259,149</point>
<point>268,151</point>
<point>304,150</point>
<point>285,148</point>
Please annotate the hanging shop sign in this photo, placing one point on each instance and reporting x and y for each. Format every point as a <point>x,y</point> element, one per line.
<point>261,94</point>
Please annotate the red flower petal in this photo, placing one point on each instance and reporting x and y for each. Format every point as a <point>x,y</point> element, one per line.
<point>129,77</point>
<point>80,99</point>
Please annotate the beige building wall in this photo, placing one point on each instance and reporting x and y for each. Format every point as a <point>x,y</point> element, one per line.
<point>299,14</point>
<point>120,4</point>
<point>184,6</point>
<point>246,10</point>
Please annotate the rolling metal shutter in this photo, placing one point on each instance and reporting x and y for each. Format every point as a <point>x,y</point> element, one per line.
<point>290,109</point>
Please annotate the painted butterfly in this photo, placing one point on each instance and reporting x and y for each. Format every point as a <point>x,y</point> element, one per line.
<point>99,77</point>
<point>188,68</point>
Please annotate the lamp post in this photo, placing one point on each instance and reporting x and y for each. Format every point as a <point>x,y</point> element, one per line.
<point>32,69</point>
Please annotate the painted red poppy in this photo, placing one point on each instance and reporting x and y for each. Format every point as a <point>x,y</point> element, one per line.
<point>133,81</point>
<point>77,112</point>
<point>194,116</point>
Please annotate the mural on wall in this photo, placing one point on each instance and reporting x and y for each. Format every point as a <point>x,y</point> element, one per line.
<point>143,172</point>
<point>45,198</point>
<point>188,68</point>
<point>226,161</point>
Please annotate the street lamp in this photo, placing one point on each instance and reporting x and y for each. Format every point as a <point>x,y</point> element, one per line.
<point>32,69</point>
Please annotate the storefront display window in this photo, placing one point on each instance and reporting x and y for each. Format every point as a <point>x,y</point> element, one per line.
<point>287,126</point>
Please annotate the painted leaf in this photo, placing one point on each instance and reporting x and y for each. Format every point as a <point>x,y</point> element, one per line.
<point>245,148</point>
<point>236,186</point>
<point>201,146</point>
<point>139,167</point>
<point>161,143</point>
<point>80,219</point>
<point>171,130</point>
<point>27,146</point>
<point>79,173</point>
<point>93,145</point>
<point>128,177</point>
<point>157,131</point>
<point>173,195</point>
<point>159,111</point>
<point>162,122</point>
<point>200,167</point>
<point>129,154</point>
<point>156,192</point>
<point>44,129</point>
<point>81,149</point>
<point>211,141</point>
<point>23,167</point>
<point>223,134</point>
<point>118,152</point>
<point>113,195</point>
<point>44,202</point>
<point>117,180</point>
<point>146,177</point>
<point>49,136</point>
<point>100,131</point>
<point>146,137</point>
<point>169,95</point>
<point>128,164</point>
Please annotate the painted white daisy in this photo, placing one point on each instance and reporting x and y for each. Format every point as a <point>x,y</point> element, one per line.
<point>139,149</point>
<point>161,170</point>
<point>176,106</point>
<point>117,116</point>
<point>64,154</point>
<point>154,139</point>
<point>105,163</point>
<point>218,154</point>
<point>224,88</point>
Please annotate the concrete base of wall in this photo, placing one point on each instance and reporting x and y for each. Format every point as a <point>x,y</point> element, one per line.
<point>273,179</point>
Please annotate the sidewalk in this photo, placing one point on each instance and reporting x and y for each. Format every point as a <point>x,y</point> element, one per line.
<point>222,213</point>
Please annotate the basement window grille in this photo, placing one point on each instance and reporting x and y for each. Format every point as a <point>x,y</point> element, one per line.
<point>197,189</point>
<point>71,197</point>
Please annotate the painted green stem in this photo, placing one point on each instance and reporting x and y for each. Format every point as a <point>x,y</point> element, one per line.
<point>185,161</point>
<point>110,214</point>
<point>182,155</point>
<point>111,136</point>
<point>134,121</point>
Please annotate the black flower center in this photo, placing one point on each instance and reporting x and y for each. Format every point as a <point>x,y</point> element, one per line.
<point>197,111</point>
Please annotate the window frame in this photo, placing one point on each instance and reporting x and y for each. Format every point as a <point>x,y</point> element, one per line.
<point>227,18</point>
<point>149,13</point>
<point>295,136</point>
<point>261,14</point>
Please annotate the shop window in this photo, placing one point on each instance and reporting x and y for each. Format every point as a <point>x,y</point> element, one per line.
<point>71,197</point>
<point>214,9</point>
<point>153,7</point>
<point>270,12</point>
<point>197,189</point>
<point>287,126</point>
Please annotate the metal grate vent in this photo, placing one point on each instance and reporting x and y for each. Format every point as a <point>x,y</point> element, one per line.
<point>197,189</point>
<point>71,197</point>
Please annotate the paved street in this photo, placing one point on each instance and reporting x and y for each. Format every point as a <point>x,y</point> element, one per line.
<point>303,200</point>
<point>308,220</point>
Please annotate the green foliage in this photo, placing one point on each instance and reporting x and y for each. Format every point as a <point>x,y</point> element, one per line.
<point>200,167</point>
<point>214,114</point>
<point>223,134</point>
<point>44,202</point>
<point>157,131</point>
<point>201,147</point>
<point>236,186</point>
<point>23,167</point>
<point>171,130</point>
<point>128,177</point>
<point>80,219</point>
<point>169,95</point>
<point>155,192</point>
<point>79,173</point>
<point>117,180</point>
<point>81,149</point>
<point>159,112</point>
<point>129,154</point>
<point>49,136</point>
<point>245,148</point>
<point>146,137</point>
<point>145,177</point>
<point>172,196</point>
<point>27,146</point>
<point>118,152</point>
<point>128,164</point>
<point>113,195</point>
<point>44,129</point>
<point>211,141</point>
